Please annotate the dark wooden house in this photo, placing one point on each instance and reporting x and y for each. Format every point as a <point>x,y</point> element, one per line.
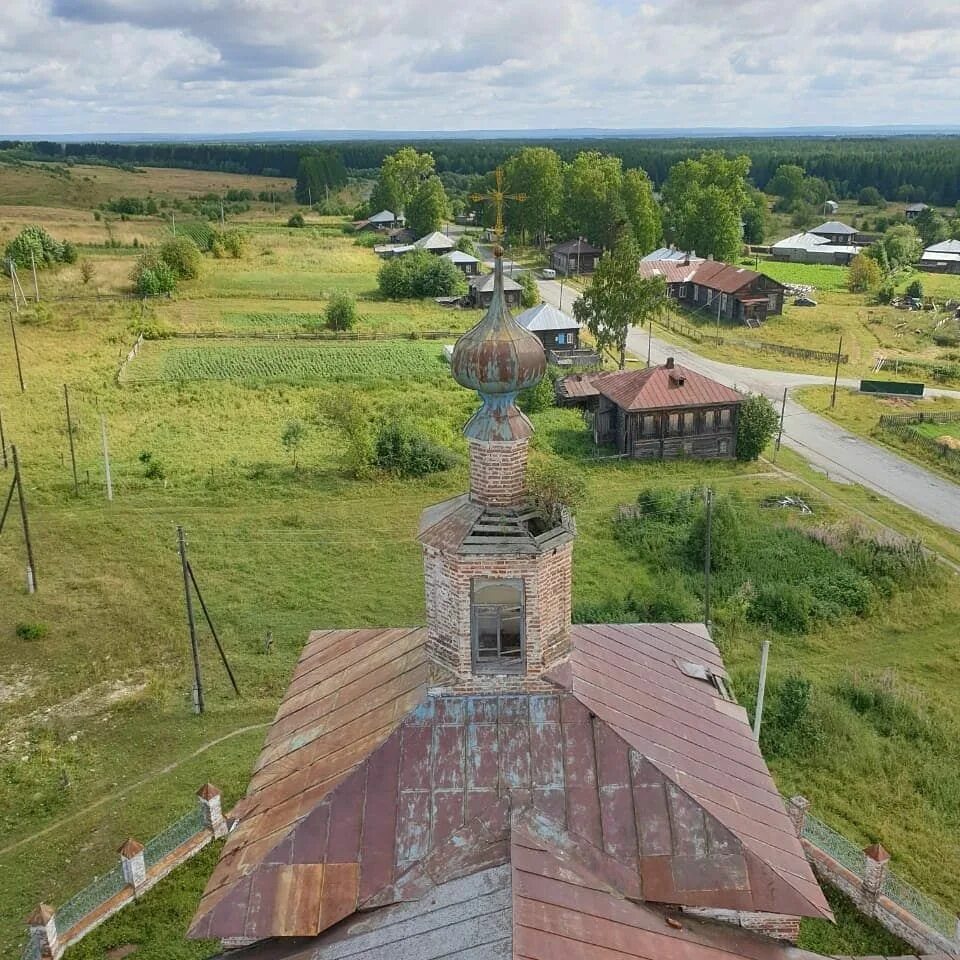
<point>738,294</point>
<point>575,257</point>
<point>555,329</point>
<point>658,413</point>
<point>466,264</point>
<point>481,291</point>
<point>836,232</point>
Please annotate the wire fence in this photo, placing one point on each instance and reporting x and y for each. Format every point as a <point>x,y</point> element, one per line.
<point>948,455</point>
<point>31,951</point>
<point>88,899</point>
<point>178,833</point>
<point>921,416</point>
<point>919,905</point>
<point>825,838</point>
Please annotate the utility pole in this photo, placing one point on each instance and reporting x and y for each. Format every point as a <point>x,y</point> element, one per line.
<point>649,341</point>
<point>197,679</point>
<point>18,480</point>
<point>213,630</point>
<point>223,221</point>
<point>106,456</point>
<point>3,443</point>
<point>836,375</point>
<point>36,287</point>
<point>719,302</point>
<point>309,196</point>
<point>173,220</point>
<point>783,411</point>
<point>561,291</point>
<point>73,458</point>
<point>16,353</point>
<point>706,560</point>
<point>761,688</point>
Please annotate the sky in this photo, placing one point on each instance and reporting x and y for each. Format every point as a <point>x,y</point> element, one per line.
<point>229,66</point>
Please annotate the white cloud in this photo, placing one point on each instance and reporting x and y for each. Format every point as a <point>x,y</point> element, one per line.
<point>232,65</point>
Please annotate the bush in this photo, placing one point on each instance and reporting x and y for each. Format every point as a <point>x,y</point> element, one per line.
<point>784,606</point>
<point>297,221</point>
<point>31,631</point>
<point>466,245</point>
<point>863,274</point>
<point>870,197</point>
<point>886,293</point>
<point>420,274</point>
<point>234,242</point>
<point>541,396</point>
<point>341,312</point>
<point>37,242</point>
<point>87,271</point>
<point>404,451</point>
<point>915,289</point>
<point>756,425</point>
<point>154,468</point>
<point>530,294</point>
<point>183,258</point>
<point>554,485</point>
<point>726,536</point>
<point>152,277</point>
<point>788,727</point>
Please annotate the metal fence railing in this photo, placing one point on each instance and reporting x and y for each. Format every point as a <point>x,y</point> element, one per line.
<point>167,841</point>
<point>842,850</point>
<point>919,905</point>
<point>88,899</point>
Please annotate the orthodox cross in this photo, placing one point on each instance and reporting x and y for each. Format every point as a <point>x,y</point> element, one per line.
<point>496,196</point>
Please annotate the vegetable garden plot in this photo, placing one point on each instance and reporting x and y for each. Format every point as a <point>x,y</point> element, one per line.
<point>394,360</point>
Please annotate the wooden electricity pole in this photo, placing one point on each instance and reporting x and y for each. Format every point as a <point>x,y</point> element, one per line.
<point>836,375</point>
<point>706,560</point>
<point>16,353</point>
<point>3,443</point>
<point>36,286</point>
<point>783,411</point>
<point>194,649</point>
<point>106,456</point>
<point>73,458</point>
<point>761,689</point>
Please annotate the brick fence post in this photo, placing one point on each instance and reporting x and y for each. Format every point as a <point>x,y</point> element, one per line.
<point>132,864</point>
<point>797,811</point>
<point>208,796</point>
<point>875,863</point>
<point>42,924</point>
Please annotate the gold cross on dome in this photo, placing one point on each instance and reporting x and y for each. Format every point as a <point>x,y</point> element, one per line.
<point>497,196</point>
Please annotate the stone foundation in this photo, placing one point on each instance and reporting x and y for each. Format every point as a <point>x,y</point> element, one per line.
<point>498,471</point>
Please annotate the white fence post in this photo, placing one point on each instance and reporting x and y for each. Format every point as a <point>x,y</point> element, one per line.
<point>876,859</point>
<point>132,864</point>
<point>208,796</point>
<point>43,932</point>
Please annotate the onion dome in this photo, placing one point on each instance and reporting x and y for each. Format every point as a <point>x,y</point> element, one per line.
<point>498,359</point>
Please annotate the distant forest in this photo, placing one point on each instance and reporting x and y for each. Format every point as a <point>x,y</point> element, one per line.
<point>926,168</point>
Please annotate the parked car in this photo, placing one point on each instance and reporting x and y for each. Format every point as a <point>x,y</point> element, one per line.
<point>548,273</point>
<point>804,301</point>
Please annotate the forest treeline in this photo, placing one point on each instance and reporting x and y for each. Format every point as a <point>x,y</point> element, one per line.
<point>920,168</point>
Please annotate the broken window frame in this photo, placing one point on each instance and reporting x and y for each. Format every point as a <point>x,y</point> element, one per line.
<point>504,659</point>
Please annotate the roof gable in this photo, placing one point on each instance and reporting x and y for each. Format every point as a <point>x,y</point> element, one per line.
<point>582,247</point>
<point>834,227</point>
<point>545,316</point>
<point>660,388</point>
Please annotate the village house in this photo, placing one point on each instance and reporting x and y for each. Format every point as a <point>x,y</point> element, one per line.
<point>575,257</point>
<point>659,413</point>
<point>734,293</point>
<point>501,783</point>
<point>813,248</point>
<point>835,232</point>
<point>468,265</point>
<point>481,290</point>
<point>913,210</point>
<point>941,257</point>
<point>673,254</point>
<point>384,220</point>
<point>436,243</point>
<point>560,335</point>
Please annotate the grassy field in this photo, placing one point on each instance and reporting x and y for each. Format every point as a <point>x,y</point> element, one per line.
<point>97,741</point>
<point>860,414</point>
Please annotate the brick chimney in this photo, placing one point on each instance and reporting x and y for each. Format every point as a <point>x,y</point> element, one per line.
<point>669,363</point>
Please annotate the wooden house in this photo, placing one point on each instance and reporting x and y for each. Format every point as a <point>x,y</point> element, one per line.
<point>941,257</point>
<point>481,291</point>
<point>736,293</point>
<point>560,335</point>
<point>836,232</point>
<point>382,221</point>
<point>436,243</point>
<point>470,266</point>
<point>913,210</point>
<point>659,413</point>
<point>575,257</point>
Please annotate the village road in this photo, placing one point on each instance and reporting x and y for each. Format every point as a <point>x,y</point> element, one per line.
<point>825,445</point>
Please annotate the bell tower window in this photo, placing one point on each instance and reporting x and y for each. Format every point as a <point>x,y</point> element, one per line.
<point>496,614</point>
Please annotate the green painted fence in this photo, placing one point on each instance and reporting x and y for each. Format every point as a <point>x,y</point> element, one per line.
<point>892,387</point>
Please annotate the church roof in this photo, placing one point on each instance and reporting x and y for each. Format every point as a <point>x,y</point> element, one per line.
<point>370,791</point>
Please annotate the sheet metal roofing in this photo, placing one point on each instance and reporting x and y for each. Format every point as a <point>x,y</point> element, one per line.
<point>369,791</point>
<point>812,241</point>
<point>385,216</point>
<point>576,246</point>
<point>945,246</point>
<point>671,271</point>
<point>671,253</point>
<point>662,388</point>
<point>485,281</point>
<point>545,316</point>
<point>725,277</point>
<point>458,256</point>
<point>435,241</point>
<point>834,227</point>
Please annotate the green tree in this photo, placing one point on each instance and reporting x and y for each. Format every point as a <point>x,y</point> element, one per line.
<point>296,220</point>
<point>348,410</point>
<point>536,172</point>
<point>642,210</point>
<point>863,274</point>
<point>420,274</point>
<point>618,298</point>
<point>756,425</point>
<point>341,311</point>
<point>292,437</point>
<point>153,277</point>
<point>787,184</point>
<point>530,294</point>
<point>183,257</point>
<point>756,217</point>
<point>36,242</point>
<point>871,197</point>
<point>715,229</point>
<point>897,248</point>
<point>931,226</point>
<point>400,175</point>
<point>428,207</point>
<point>593,197</point>
<point>465,244</point>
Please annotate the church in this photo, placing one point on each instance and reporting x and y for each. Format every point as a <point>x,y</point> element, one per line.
<point>501,783</point>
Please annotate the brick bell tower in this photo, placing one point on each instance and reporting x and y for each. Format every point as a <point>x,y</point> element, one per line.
<point>497,569</point>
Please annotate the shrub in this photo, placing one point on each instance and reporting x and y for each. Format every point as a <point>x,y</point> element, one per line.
<point>784,606</point>
<point>87,271</point>
<point>234,242</point>
<point>154,468</point>
<point>182,256</point>
<point>541,396</point>
<point>530,294</point>
<point>37,242</point>
<point>466,245</point>
<point>297,221</point>
<point>404,451</point>
<point>788,727</point>
<point>420,274</point>
<point>886,293</point>
<point>756,426</point>
<point>554,484</point>
<point>341,311</point>
<point>915,289</point>
<point>68,252</point>
<point>292,437</point>
<point>152,277</point>
<point>726,536</point>
<point>863,274</point>
<point>31,631</point>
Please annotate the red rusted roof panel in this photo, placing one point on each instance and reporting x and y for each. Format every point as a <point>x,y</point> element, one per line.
<point>658,388</point>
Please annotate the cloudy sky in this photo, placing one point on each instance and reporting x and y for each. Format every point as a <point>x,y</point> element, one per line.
<point>88,66</point>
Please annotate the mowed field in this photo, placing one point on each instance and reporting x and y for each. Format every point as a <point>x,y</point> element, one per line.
<point>97,739</point>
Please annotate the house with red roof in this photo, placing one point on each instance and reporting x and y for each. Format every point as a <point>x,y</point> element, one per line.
<point>500,783</point>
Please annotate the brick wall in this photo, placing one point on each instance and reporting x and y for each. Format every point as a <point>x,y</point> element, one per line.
<point>498,471</point>
<point>547,586</point>
<point>780,926</point>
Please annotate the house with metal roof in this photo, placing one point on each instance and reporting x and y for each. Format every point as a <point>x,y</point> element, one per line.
<point>482,286</point>
<point>913,210</point>
<point>500,783</point>
<point>813,248</point>
<point>835,232</point>
<point>943,257</point>
<point>659,413</point>
<point>468,265</point>
<point>575,257</point>
<point>673,254</point>
<point>436,242</point>
<point>384,220</point>
<point>560,335</point>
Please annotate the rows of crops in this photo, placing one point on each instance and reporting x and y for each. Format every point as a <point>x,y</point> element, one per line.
<point>819,275</point>
<point>263,320</point>
<point>393,360</point>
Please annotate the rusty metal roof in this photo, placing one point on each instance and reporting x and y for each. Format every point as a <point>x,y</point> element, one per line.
<point>659,388</point>
<point>369,791</point>
<point>582,385</point>
<point>671,271</point>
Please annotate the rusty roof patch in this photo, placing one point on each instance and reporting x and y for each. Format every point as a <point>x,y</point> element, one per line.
<point>663,388</point>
